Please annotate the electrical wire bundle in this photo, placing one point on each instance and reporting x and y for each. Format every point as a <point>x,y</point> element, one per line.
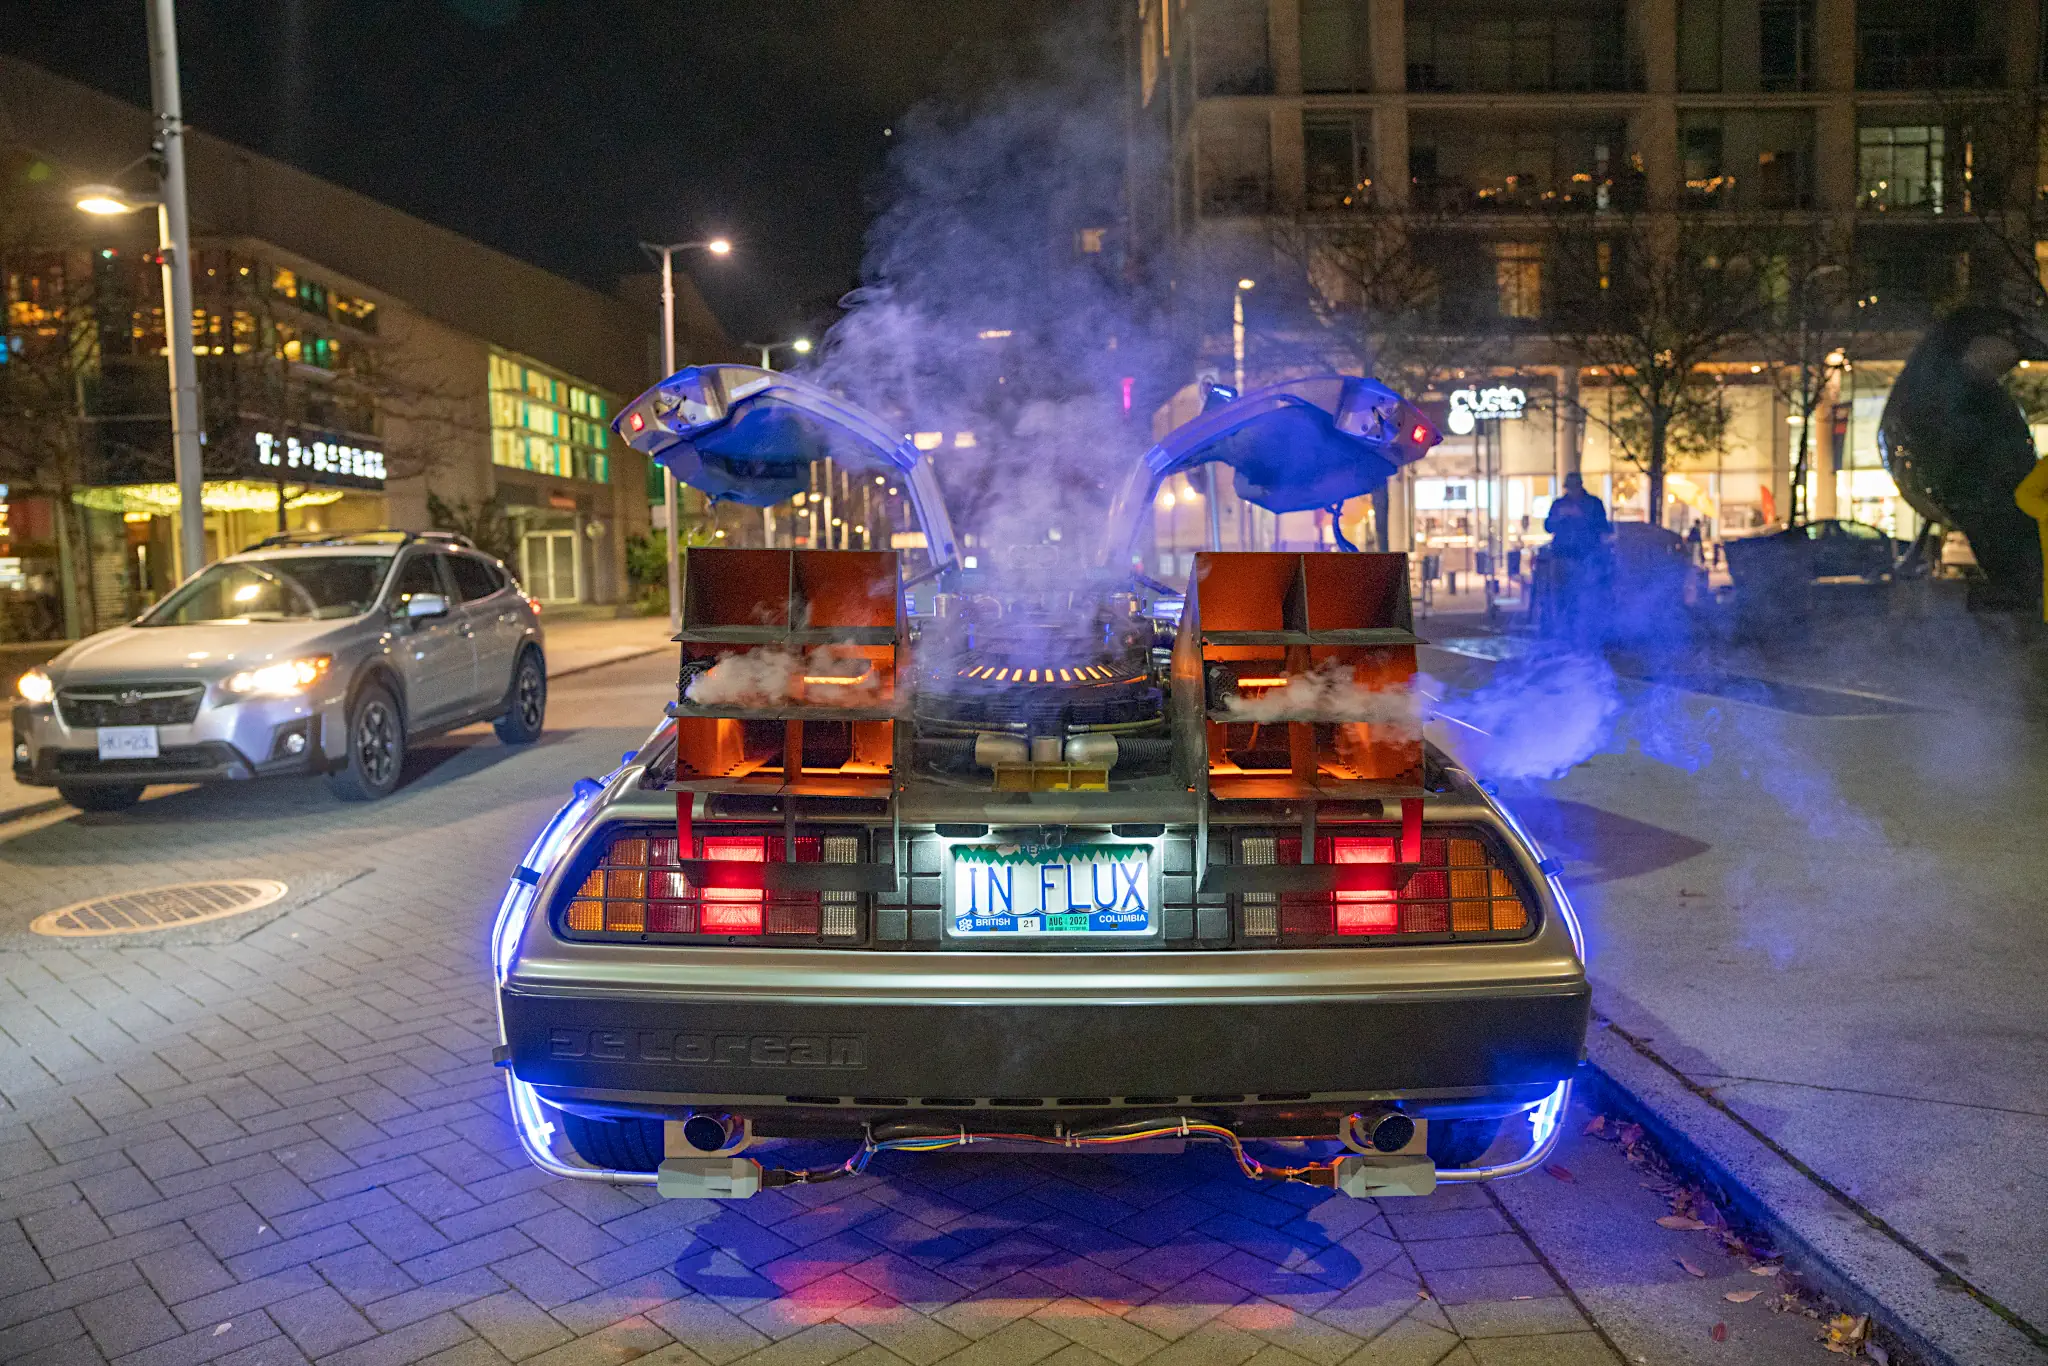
<point>1314,1174</point>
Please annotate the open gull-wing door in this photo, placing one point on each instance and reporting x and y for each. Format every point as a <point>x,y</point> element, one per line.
<point>748,435</point>
<point>1301,444</point>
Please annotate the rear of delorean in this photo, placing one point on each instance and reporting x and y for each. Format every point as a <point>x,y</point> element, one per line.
<point>1055,862</point>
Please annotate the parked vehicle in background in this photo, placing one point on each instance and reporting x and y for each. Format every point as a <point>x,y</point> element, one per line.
<point>1827,565</point>
<point>307,653</point>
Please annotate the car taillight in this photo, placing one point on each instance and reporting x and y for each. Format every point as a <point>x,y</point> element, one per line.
<point>1459,889</point>
<point>639,887</point>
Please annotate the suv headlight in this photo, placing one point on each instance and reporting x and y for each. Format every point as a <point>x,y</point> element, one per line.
<point>282,679</point>
<point>35,686</point>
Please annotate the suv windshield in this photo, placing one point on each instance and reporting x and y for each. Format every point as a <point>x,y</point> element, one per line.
<point>308,588</point>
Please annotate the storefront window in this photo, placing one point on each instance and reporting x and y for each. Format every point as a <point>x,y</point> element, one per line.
<point>547,423</point>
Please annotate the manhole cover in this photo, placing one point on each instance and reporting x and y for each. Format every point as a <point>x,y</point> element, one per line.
<point>158,908</point>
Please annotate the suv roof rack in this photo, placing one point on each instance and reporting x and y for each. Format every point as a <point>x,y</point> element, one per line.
<point>380,537</point>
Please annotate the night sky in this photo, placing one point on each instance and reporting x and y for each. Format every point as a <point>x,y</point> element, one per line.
<point>563,131</point>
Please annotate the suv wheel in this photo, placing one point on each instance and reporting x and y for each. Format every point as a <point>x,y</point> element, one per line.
<point>625,1145</point>
<point>97,798</point>
<point>527,707</point>
<point>376,747</point>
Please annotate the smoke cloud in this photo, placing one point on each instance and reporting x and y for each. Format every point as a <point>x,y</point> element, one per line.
<point>999,299</point>
<point>774,677</point>
<point>1328,693</point>
<point>1538,717</point>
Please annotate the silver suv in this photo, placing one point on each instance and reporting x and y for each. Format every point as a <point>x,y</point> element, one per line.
<point>306,653</point>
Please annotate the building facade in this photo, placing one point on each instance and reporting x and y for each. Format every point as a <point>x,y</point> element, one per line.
<point>1904,132</point>
<point>358,368</point>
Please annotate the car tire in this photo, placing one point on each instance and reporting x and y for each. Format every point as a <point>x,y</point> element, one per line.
<point>624,1145</point>
<point>527,702</point>
<point>97,798</point>
<point>376,747</point>
<point>1460,1142</point>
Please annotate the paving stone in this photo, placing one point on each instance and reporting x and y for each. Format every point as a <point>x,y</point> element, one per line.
<point>1560,1349</point>
<point>513,1324</point>
<point>128,1321</point>
<point>405,1345</point>
<point>451,1292</point>
<point>1099,1330</point>
<point>621,1342</point>
<point>321,1321</point>
<point>641,1295</point>
<point>1481,1283</point>
<point>711,1331</point>
<point>912,1336</point>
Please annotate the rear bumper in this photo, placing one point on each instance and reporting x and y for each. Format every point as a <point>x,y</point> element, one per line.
<point>809,1063</point>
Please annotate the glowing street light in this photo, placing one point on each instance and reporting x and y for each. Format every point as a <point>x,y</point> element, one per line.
<point>800,345</point>
<point>670,502</point>
<point>107,201</point>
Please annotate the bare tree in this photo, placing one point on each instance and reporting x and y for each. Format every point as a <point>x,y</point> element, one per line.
<point>1645,301</point>
<point>1375,295</point>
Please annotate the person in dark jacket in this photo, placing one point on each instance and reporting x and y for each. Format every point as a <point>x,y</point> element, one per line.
<point>1579,531</point>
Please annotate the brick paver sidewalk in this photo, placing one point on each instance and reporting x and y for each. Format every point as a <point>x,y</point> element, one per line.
<point>292,1147</point>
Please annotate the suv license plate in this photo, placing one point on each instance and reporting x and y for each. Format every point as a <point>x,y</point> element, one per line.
<point>1083,890</point>
<point>128,742</point>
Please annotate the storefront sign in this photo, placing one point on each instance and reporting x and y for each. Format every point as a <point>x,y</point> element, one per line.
<point>320,461</point>
<point>1470,407</point>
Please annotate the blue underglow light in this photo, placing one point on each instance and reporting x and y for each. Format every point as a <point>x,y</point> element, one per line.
<point>546,851</point>
<point>536,1130</point>
<point>1564,902</point>
<point>1543,1119</point>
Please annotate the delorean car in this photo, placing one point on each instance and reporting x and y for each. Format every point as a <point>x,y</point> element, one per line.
<point>927,857</point>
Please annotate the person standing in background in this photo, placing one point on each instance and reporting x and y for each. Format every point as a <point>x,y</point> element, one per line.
<point>1578,527</point>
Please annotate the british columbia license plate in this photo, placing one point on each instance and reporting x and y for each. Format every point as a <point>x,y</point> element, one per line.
<point>128,742</point>
<point>1095,889</point>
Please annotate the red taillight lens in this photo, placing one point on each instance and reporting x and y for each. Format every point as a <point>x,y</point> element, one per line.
<point>639,887</point>
<point>731,910</point>
<point>1461,888</point>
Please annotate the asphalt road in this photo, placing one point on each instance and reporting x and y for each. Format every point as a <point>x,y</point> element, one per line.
<point>279,1139</point>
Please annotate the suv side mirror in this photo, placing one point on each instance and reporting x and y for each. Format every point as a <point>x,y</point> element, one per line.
<point>422,605</point>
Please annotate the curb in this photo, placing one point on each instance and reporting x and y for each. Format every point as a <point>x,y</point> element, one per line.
<point>1849,1253</point>
<point>554,674</point>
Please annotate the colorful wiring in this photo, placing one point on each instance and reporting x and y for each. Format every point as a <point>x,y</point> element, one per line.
<point>1185,1128</point>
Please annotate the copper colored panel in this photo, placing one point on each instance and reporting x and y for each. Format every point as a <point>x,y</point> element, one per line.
<point>846,587</point>
<point>736,588</point>
<point>1244,591</point>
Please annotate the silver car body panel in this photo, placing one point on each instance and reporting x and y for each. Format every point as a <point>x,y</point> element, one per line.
<point>209,653</point>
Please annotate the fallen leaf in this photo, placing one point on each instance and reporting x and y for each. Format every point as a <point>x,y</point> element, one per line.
<point>1720,1333</point>
<point>1690,1268</point>
<point>1422,1294</point>
<point>1741,1296</point>
<point>223,1328</point>
<point>1761,1270</point>
<point>1596,1126</point>
<point>1684,1222</point>
<point>1561,1173</point>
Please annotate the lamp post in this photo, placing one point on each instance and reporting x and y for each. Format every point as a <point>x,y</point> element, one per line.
<point>802,346</point>
<point>717,246</point>
<point>173,249</point>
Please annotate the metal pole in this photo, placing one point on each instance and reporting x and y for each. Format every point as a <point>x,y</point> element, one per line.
<point>174,240</point>
<point>670,502</point>
<point>764,358</point>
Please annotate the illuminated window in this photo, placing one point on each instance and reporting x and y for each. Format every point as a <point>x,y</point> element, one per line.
<point>1518,278</point>
<point>1900,167</point>
<point>547,423</point>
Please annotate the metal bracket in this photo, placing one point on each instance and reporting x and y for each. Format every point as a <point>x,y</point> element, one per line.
<point>1369,1178</point>
<point>708,1178</point>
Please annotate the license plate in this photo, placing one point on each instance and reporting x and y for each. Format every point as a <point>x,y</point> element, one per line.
<point>1083,890</point>
<point>127,742</point>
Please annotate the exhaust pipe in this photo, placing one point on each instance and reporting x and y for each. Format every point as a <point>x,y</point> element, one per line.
<point>707,1133</point>
<point>1380,1131</point>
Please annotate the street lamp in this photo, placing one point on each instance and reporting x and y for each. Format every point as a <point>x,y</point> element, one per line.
<point>110,201</point>
<point>717,246</point>
<point>802,346</point>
